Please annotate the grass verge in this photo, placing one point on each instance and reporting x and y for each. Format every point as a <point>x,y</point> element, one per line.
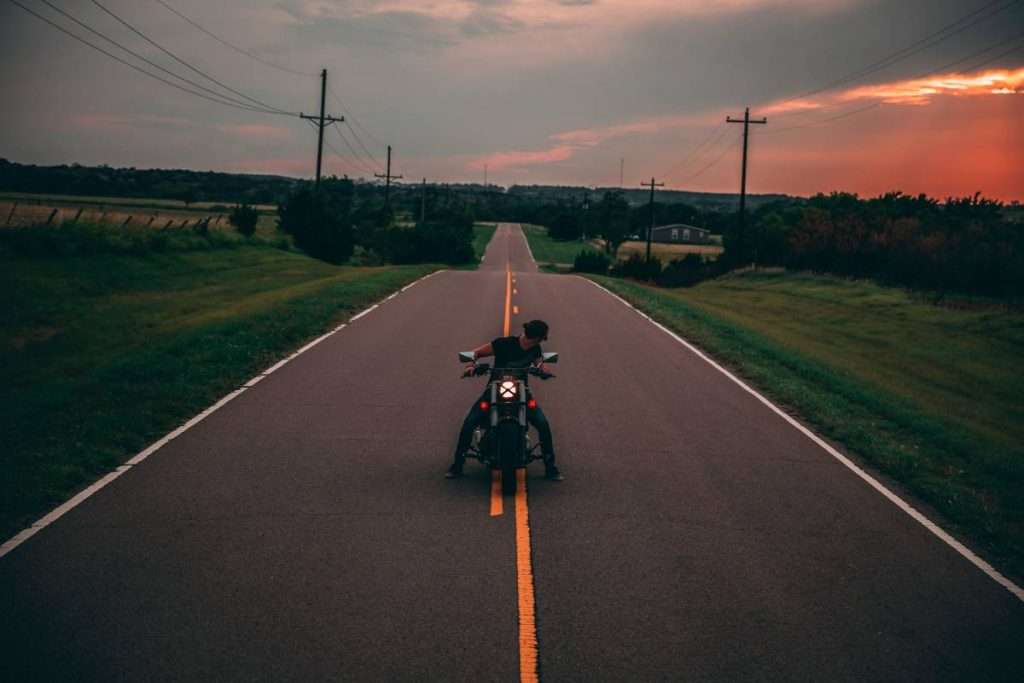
<point>482,234</point>
<point>105,352</point>
<point>929,396</point>
<point>547,250</point>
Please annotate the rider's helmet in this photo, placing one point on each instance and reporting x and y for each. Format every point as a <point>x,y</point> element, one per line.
<point>536,329</point>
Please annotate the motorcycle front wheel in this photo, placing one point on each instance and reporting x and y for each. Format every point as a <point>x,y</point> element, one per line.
<point>509,442</point>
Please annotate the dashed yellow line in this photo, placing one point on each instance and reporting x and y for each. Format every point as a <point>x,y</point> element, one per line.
<point>497,504</point>
<point>508,298</point>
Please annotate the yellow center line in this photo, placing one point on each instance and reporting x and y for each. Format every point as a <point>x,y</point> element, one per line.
<point>508,298</point>
<point>524,586</point>
<point>497,506</point>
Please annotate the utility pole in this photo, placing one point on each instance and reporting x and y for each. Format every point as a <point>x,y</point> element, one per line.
<point>650,230</point>
<point>746,121</point>
<point>423,202</point>
<point>622,172</point>
<point>387,180</point>
<point>485,176</point>
<point>321,122</point>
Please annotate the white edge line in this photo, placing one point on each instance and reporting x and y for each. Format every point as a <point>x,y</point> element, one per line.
<point>87,492</point>
<point>359,315</point>
<point>931,526</point>
<point>530,251</point>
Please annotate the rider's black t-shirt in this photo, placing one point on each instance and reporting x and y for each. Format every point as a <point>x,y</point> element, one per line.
<point>509,354</point>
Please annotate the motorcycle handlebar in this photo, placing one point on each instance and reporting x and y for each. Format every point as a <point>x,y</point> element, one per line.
<point>484,368</point>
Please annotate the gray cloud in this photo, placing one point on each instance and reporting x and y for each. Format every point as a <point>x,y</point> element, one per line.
<point>432,86</point>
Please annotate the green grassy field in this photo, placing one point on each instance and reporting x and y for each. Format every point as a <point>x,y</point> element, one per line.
<point>929,396</point>
<point>104,353</point>
<point>547,250</point>
<point>482,234</point>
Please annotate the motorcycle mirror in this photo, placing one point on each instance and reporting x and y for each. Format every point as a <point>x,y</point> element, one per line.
<point>551,357</point>
<point>465,356</point>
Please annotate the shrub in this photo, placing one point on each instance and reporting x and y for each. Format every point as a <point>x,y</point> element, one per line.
<point>319,223</point>
<point>638,268</point>
<point>244,218</point>
<point>686,272</point>
<point>591,262</point>
<point>430,242</point>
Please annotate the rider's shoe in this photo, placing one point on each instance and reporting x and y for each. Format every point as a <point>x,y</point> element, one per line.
<point>551,473</point>
<point>454,472</point>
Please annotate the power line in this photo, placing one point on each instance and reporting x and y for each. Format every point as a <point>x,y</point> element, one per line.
<point>355,158</point>
<point>361,145</point>
<point>706,144</point>
<point>234,47</point>
<point>349,116</point>
<point>342,157</point>
<point>721,156</point>
<point>934,72</point>
<point>186,64</point>
<point>219,98</point>
<point>921,44</point>
<point>224,99</point>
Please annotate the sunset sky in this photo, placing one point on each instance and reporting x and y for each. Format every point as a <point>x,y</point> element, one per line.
<point>539,91</point>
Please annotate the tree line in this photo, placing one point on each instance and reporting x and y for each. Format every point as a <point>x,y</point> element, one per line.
<point>969,245</point>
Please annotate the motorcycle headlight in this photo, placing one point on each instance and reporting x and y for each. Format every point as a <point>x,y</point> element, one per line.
<point>507,390</point>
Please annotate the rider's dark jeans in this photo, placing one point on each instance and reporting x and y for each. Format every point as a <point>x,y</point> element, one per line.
<point>535,416</point>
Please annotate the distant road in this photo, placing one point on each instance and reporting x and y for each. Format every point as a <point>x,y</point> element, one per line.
<point>304,530</point>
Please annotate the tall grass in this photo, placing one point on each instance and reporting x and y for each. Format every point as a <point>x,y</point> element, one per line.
<point>84,238</point>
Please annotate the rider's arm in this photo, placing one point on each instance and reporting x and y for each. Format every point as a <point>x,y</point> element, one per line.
<point>483,351</point>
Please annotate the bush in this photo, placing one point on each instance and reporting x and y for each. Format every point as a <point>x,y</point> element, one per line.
<point>319,221</point>
<point>686,272</point>
<point>591,262</point>
<point>244,218</point>
<point>429,242</point>
<point>638,268</point>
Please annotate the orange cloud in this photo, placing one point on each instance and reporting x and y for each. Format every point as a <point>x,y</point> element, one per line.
<point>502,160</point>
<point>923,91</point>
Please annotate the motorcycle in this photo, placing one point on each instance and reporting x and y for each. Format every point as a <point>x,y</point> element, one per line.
<point>503,442</point>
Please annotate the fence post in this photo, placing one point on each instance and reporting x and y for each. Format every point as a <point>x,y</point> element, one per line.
<point>168,224</point>
<point>52,215</point>
<point>151,219</point>
<point>78,215</point>
<point>126,222</point>
<point>11,214</point>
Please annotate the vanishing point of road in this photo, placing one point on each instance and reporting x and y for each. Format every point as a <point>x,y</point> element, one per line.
<point>304,532</point>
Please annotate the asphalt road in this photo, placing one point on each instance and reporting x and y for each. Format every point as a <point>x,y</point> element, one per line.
<point>304,531</point>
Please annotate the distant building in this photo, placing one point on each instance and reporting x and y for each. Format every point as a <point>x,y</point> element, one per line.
<point>680,233</point>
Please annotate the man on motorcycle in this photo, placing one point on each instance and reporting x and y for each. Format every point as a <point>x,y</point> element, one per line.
<point>512,352</point>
